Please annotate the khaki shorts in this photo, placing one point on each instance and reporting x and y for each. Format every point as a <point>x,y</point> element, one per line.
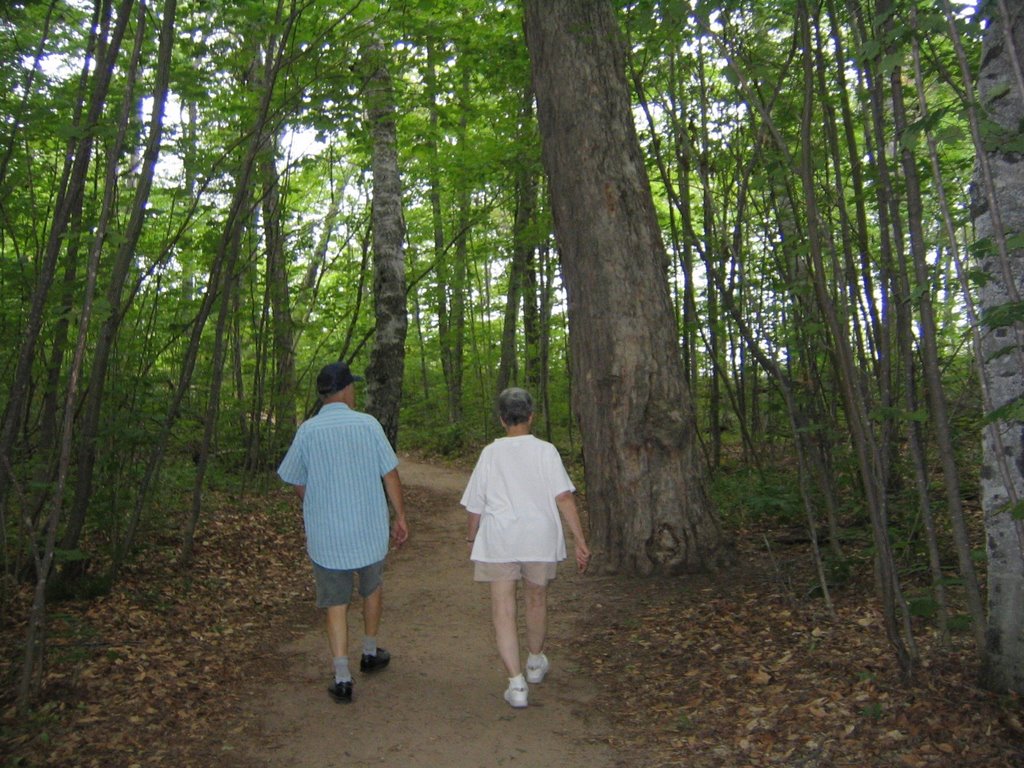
<point>535,573</point>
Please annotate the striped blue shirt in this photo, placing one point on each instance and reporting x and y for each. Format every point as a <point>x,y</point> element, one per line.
<point>340,456</point>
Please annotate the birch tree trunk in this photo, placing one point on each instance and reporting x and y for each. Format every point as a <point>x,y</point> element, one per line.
<point>998,215</point>
<point>649,511</point>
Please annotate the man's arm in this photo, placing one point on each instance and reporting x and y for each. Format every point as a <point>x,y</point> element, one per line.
<point>393,489</point>
<point>301,490</point>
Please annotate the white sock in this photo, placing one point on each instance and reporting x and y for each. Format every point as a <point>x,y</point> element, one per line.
<point>341,673</point>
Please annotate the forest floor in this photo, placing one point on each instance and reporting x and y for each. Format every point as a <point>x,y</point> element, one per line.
<point>226,664</point>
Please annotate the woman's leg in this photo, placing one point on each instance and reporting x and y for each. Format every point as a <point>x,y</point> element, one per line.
<point>503,614</point>
<point>536,615</point>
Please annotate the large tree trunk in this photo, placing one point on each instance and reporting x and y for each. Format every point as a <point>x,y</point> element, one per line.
<point>649,510</point>
<point>998,213</point>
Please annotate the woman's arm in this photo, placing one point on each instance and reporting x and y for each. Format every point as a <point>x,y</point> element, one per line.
<point>567,506</point>
<point>472,526</point>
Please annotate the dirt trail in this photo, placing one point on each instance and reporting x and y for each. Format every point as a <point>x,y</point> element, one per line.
<point>440,702</point>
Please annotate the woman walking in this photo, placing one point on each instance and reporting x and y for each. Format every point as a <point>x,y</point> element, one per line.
<point>513,499</point>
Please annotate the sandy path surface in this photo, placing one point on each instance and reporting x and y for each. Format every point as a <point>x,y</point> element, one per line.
<point>440,702</point>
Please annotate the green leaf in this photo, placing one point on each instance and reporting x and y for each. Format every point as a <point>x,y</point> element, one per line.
<point>891,62</point>
<point>978,277</point>
<point>923,606</point>
<point>1016,509</point>
<point>1004,315</point>
<point>960,622</point>
<point>931,22</point>
<point>982,247</point>
<point>893,413</point>
<point>997,90</point>
<point>1014,143</point>
<point>64,556</point>
<point>1011,411</point>
<point>870,50</point>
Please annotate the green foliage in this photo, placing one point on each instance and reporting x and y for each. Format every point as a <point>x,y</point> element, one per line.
<point>1010,411</point>
<point>872,711</point>
<point>960,622</point>
<point>1004,315</point>
<point>73,584</point>
<point>746,496</point>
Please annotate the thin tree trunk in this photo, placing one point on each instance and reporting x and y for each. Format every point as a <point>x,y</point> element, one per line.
<point>459,270</point>
<point>386,370</point>
<point>532,289</point>
<point>868,455</point>
<point>282,335</point>
<point>934,389</point>
<point>34,648</point>
<point>522,249</point>
<point>72,188</point>
<point>234,221</point>
<point>202,458</point>
<point>116,281</point>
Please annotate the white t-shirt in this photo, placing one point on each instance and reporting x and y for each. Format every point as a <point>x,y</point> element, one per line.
<point>513,489</point>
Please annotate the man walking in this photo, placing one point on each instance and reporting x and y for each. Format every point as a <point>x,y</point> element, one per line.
<point>342,466</point>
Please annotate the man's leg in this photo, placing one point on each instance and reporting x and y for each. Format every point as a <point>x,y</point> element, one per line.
<point>333,592</point>
<point>337,630</point>
<point>370,578</point>
<point>373,607</point>
<point>503,614</point>
<point>337,637</point>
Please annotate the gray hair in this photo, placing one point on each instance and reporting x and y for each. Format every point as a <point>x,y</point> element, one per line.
<point>515,406</point>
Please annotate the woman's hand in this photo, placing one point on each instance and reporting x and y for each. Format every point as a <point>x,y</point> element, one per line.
<point>582,556</point>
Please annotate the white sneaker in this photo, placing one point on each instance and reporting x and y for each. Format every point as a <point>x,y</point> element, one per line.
<point>536,668</point>
<point>516,692</point>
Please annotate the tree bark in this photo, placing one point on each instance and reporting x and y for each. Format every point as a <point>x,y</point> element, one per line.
<point>282,325</point>
<point>998,213</point>
<point>384,375</point>
<point>649,510</point>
